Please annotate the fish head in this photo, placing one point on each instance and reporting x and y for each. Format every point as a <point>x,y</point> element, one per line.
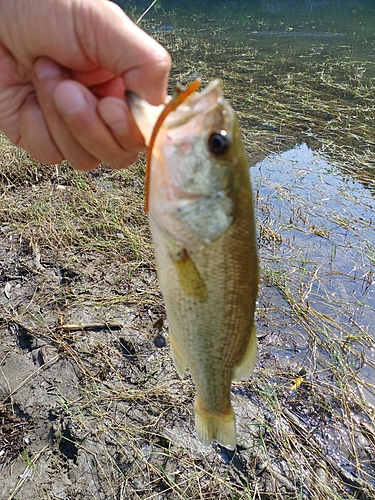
<point>195,164</point>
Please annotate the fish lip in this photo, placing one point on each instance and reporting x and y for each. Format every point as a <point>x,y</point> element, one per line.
<point>190,108</point>
<point>144,114</point>
<point>216,84</point>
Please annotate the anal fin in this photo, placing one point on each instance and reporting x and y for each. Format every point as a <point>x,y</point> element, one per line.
<point>178,358</point>
<point>246,365</point>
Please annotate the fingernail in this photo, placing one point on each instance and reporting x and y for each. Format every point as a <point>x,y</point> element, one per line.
<point>70,98</point>
<point>46,69</point>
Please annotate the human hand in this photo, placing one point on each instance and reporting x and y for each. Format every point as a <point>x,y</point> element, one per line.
<point>64,67</point>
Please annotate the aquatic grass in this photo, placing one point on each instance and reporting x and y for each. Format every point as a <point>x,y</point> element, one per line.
<point>320,314</point>
<point>319,97</point>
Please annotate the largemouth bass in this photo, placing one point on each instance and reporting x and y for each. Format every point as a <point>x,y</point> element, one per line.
<point>201,216</point>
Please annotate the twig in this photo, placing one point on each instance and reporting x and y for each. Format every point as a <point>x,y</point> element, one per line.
<point>75,327</point>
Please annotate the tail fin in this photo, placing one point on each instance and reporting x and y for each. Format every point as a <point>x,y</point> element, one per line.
<point>218,427</point>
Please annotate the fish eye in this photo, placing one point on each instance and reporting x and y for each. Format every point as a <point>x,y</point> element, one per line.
<point>218,143</point>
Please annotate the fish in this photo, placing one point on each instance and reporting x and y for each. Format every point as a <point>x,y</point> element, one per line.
<point>201,215</point>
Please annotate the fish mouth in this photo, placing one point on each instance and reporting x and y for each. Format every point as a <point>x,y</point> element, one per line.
<point>198,102</point>
<point>145,115</point>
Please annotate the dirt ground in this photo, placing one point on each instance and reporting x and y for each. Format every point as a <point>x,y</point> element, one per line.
<point>90,408</point>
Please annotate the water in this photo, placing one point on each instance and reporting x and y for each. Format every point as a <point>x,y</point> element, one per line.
<point>318,255</point>
<point>297,73</point>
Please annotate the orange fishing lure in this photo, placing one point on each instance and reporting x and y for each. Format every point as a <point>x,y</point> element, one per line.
<point>176,100</point>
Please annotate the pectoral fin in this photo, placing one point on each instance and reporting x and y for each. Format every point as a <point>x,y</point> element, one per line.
<point>189,278</point>
<point>246,365</point>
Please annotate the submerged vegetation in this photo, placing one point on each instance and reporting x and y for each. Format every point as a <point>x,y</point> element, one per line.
<point>80,295</point>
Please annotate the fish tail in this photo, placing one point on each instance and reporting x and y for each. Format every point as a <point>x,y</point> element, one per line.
<point>220,427</point>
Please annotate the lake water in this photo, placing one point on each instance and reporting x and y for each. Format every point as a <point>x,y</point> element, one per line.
<point>318,259</point>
